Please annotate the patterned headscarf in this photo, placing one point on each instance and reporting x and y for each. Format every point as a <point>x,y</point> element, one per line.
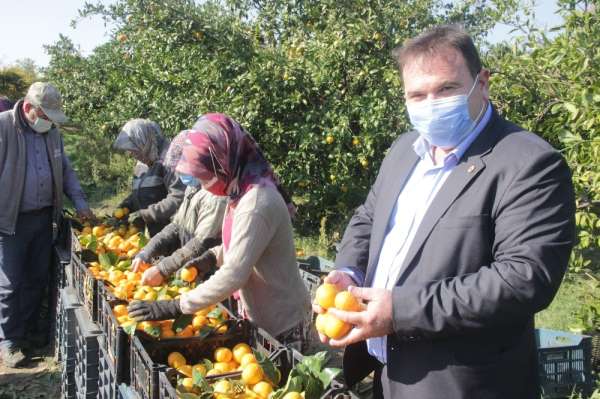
<point>175,151</point>
<point>142,137</point>
<point>219,146</point>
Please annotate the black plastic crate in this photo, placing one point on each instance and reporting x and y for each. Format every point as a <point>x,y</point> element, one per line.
<point>127,392</point>
<point>87,355</point>
<point>86,286</point>
<point>149,356</point>
<point>564,361</point>
<point>117,340</point>
<point>312,281</point>
<point>67,303</point>
<point>107,379</point>
<point>167,380</point>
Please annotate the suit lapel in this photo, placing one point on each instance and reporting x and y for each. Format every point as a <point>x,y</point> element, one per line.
<point>467,169</point>
<point>403,166</point>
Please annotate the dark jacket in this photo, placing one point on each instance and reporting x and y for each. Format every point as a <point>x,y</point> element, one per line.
<point>156,194</point>
<point>13,161</point>
<point>489,253</point>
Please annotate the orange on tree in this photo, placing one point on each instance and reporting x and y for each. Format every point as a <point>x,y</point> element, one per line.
<point>325,295</point>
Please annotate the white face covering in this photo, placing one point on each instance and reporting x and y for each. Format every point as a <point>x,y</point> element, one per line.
<point>41,125</point>
<point>444,122</point>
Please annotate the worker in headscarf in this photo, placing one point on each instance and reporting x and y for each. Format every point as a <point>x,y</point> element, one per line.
<point>156,192</point>
<point>195,228</point>
<point>257,256</point>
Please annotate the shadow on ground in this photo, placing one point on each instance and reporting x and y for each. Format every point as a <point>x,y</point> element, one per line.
<point>38,379</point>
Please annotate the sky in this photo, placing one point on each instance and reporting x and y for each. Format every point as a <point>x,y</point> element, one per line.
<point>26,26</point>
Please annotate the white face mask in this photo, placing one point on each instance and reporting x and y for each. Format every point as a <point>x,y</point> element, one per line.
<point>444,122</point>
<point>41,125</point>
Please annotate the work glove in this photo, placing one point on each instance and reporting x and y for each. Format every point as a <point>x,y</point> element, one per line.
<point>154,310</point>
<point>204,262</point>
<point>138,222</point>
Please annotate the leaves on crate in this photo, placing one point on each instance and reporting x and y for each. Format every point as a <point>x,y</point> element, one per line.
<point>107,259</point>
<point>205,331</point>
<point>89,241</point>
<point>328,374</point>
<point>152,330</point>
<point>309,376</point>
<point>216,313</point>
<point>271,372</point>
<point>129,328</point>
<point>123,265</point>
<point>182,322</point>
<point>200,381</point>
<point>143,240</point>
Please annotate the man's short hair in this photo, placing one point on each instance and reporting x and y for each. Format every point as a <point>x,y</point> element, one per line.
<point>438,38</point>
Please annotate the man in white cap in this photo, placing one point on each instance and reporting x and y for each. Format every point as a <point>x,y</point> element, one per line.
<point>34,173</point>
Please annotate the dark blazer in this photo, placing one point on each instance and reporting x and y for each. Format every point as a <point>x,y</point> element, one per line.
<point>490,252</point>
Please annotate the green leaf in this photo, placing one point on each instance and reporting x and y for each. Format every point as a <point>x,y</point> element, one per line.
<point>327,375</point>
<point>313,388</point>
<point>200,381</point>
<point>182,322</point>
<point>205,331</point>
<point>107,259</point>
<point>130,329</point>
<point>143,240</point>
<point>216,313</point>
<point>268,367</point>
<point>208,364</point>
<point>153,331</point>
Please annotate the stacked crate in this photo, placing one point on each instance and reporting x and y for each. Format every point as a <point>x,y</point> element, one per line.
<point>68,304</point>
<point>87,355</point>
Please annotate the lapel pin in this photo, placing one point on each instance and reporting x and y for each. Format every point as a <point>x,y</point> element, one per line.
<point>471,168</point>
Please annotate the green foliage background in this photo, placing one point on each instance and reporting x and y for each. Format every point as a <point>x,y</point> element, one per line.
<point>314,82</point>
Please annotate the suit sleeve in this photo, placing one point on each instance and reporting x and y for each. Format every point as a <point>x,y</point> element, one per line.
<point>534,234</point>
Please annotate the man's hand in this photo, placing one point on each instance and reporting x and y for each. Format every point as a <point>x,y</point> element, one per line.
<point>341,280</point>
<point>159,310</point>
<point>86,214</point>
<point>152,277</point>
<point>375,321</point>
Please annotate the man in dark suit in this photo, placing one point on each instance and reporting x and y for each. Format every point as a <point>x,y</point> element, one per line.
<point>464,236</point>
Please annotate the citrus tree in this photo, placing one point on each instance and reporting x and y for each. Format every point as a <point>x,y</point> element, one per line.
<point>551,86</point>
<point>313,81</point>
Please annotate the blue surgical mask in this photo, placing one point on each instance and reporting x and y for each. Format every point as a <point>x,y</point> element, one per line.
<point>443,122</point>
<point>189,180</point>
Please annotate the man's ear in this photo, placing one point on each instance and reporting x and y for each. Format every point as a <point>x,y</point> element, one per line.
<point>484,78</point>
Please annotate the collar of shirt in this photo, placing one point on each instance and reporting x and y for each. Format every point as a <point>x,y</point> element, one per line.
<point>423,148</point>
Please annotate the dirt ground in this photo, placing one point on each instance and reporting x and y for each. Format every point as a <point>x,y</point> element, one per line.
<point>38,379</point>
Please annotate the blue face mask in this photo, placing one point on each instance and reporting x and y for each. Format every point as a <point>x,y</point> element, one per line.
<point>189,180</point>
<point>443,122</point>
